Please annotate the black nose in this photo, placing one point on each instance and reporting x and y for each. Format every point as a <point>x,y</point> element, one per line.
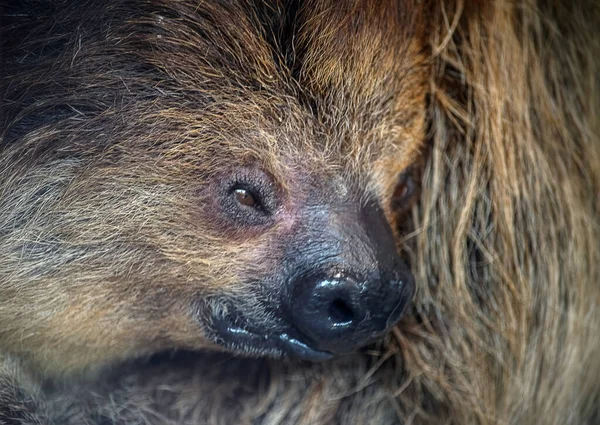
<point>339,313</point>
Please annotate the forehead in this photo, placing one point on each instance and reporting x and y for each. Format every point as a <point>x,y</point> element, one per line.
<point>333,81</point>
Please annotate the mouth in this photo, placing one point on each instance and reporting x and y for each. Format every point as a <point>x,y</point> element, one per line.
<point>241,339</point>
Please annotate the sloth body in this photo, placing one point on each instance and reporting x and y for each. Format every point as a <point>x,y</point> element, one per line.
<point>209,209</point>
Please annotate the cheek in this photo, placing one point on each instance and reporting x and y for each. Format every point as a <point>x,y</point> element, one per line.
<point>240,251</point>
<point>260,257</point>
<point>94,328</point>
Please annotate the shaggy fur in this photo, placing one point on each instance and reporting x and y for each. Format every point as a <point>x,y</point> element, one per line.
<point>113,110</point>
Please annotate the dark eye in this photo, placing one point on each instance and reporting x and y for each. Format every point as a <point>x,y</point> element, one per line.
<point>404,190</point>
<point>246,198</point>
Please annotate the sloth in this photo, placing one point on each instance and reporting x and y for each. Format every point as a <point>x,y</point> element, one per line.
<point>299,212</point>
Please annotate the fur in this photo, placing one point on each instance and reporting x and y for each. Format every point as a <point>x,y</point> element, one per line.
<point>499,100</point>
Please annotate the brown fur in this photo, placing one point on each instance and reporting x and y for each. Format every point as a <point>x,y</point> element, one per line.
<point>104,217</point>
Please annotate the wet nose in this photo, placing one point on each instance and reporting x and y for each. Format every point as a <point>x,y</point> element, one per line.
<point>340,313</point>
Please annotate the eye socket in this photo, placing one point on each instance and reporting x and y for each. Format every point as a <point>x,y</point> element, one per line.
<point>401,191</point>
<point>246,198</point>
<point>404,190</point>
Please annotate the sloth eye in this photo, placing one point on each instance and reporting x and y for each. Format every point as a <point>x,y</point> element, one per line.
<point>404,190</point>
<point>246,198</point>
<point>249,202</point>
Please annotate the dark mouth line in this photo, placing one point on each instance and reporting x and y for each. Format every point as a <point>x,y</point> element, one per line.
<point>282,344</point>
<point>299,347</point>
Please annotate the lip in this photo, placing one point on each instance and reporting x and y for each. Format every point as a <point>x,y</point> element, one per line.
<point>284,344</point>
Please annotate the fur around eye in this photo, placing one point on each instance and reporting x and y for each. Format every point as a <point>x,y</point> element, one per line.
<point>247,198</point>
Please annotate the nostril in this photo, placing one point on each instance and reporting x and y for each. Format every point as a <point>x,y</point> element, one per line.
<point>340,313</point>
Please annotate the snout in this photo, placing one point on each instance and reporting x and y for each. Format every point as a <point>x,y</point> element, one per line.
<point>341,304</point>
<point>339,313</point>
<point>340,286</point>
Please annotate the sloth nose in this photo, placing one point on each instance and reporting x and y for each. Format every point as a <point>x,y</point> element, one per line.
<point>340,313</point>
